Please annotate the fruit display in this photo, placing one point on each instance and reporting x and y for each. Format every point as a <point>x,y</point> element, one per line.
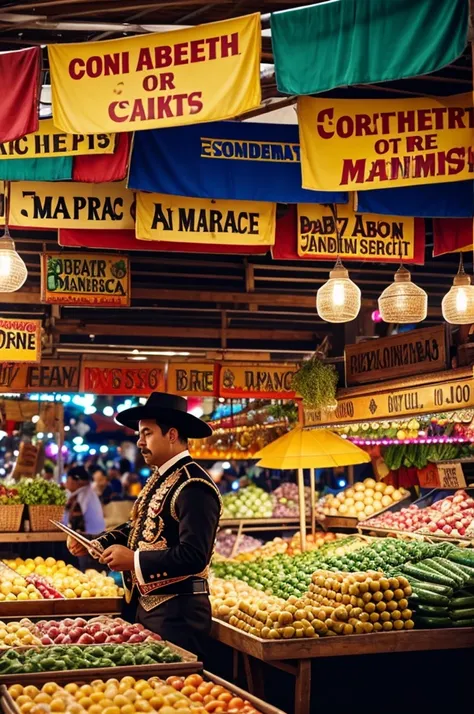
<point>454,425</point>
<point>15,587</point>
<point>268,550</point>
<point>212,697</point>
<point>312,542</point>
<point>9,496</point>
<point>66,580</point>
<point>58,658</point>
<point>249,502</point>
<point>129,695</point>
<point>98,630</point>
<point>18,634</point>
<point>287,503</point>
<point>225,543</point>
<point>452,516</point>
<point>226,595</point>
<point>362,500</point>
<point>419,455</point>
<point>39,492</point>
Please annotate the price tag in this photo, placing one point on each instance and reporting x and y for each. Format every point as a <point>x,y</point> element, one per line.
<point>428,476</point>
<point>451,475</point>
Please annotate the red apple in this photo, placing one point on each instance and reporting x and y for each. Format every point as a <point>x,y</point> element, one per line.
<point>95,627</point>
<point>68,622</point>
<point>46,640</point>
<point>80,622</point>
<point>447,529</point>
<point>53,632</point>
<point>75,633</point>
<point>85,639</point>
<point>137,638</point>
<point>118,630</point>
<point>115,639</point>
<point>100,637</point>
<point>59,639</point>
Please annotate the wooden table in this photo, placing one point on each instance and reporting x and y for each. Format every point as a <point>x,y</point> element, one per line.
<point>33,537</point>
<point>294,656</point>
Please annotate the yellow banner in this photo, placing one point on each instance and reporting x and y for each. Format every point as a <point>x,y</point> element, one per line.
<point>82,279</point>
<point>50,141</point>
<point>362,236</point>
<point>203,220</point>
<point>445,396</point>
<point>361,144</point>
<point>190,379</point>
<point>71,205</point>
<point>20,340</point>
<point>200,74</point>
<point>271,381</point>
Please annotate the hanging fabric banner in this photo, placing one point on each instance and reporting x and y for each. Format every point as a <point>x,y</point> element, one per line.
<point>126,240</point>
<point>122,378</point>
<point>190,379</point>
<point>200,74</point>
<point>19,92</point>
<point>82,205</point>
<point>85,280</point>
<point>48,376</point>
<point>56,169</point>
<point>106,167</point>
<point>352,144</point>
<point>244,161</point>
<point>48,141</point>
<point>451,235</point>
<point>270,381</point>
<point>197,220</point>
<point>338,44</point>
<point>20,340</point>
<point>356,236</point>
<point>450,200</point>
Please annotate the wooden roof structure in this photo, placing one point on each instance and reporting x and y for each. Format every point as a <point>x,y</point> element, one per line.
<point>204,304</point>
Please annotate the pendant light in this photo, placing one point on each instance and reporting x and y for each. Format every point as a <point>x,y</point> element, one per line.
<point>338,300</point>
<point>403,302</point>
<point>13,272</point>
<point>458,304</point>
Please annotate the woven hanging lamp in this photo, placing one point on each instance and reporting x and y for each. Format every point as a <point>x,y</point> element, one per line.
<point>403,302</point>
<point>13,272</point>
<point>458,304</point>
<point>338,300</point>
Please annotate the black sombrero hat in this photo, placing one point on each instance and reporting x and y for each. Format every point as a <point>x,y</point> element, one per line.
<point>169,410</point>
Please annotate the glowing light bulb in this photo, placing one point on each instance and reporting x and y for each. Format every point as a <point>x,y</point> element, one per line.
<point>338,294</point>
<point>461,300</point>
<point>5,265</point>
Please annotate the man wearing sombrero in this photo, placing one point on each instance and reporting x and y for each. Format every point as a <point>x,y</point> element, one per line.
<point>165,549</point>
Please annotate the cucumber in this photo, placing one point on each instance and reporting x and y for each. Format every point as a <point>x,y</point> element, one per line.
<point>464,613</point>
<point>463,623</point>
<point>434,610</point>
<point>424,621</point>
<point>437,568</point>
<point>424,573</point>
<point>461,556</point>
<point>452,568</point>
<point>429,598</point>
<point>466,569</point>
<point>432,587</point>
<point>459,602</point>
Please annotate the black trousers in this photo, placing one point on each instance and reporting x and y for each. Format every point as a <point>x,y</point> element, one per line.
<point>185,620</point>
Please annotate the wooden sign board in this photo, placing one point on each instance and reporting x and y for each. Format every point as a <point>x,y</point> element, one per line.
<point>447,475</point>
<point>85,280</point>
<point>380,405</point>
<point>415,352</point>
<point>122,378</point>
<point>20,340</point>
<point>47,376</point>
<point>267,380</point>
<point>26,463</point>
<point>193,380</point>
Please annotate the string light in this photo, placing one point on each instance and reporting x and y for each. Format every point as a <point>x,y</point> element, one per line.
<point>13,272</point>
<point>403,302</point>
<point>458,304</point>
<point>338,300</point>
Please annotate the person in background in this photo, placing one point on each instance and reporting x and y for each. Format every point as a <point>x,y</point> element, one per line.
<point>101,486</point>
<point>83,510</point>
<point>115,483</point>
<point>132,486</point>
<point>48,472</point>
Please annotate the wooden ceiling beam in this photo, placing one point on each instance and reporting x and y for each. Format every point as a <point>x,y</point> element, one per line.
<point>39,4</point>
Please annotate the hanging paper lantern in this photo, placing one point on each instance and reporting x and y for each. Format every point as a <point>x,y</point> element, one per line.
<point>403,302</point>
<point>458,304</point>
<point>338,300</point>
<point>13,272</point>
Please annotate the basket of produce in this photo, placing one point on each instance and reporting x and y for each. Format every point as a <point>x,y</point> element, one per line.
<point>358,503</point>
<point>11,510</point>
<point>45,500</point>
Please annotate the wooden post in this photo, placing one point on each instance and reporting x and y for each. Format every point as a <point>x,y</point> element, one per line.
<point>350,475</point>
<point>302,509</point>
<point>312,485</point>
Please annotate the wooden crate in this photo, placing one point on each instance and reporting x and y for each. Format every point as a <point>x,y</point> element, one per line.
<point>64,607</point>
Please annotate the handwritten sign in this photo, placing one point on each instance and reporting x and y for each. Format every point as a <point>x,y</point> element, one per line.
<point>122,378</point>
<point>422,399</point>
<point>49,141</point>
<point>20,340</point>
<point>86,280</point>
<point>47,376</point>
<point>190,380</point>
<point>273,381</point>
<point>360,144</point>
<point>409,353</point>
<point>200,74</point>
<point>451,475</point>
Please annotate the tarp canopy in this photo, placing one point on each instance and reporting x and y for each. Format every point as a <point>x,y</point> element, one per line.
<point>347,42</point>
<point>310,449</point>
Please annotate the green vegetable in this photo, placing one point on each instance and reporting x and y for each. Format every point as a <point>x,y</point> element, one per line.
<point>316,382</point>
<point>463,623</point>
<point>434,622</point>
<point>462,556</point>
<point>452,568</point>
<point>432,587</point>
<point>436,610</point>
<point>424,573</point>
<point>428,597</point>
<point>38,492</point>
<point>464,613</point>
<point>436,567</point>
<point>458,602</point>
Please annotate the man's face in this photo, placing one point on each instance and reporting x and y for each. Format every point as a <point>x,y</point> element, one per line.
<point>156,447</point>
<point>71,484</point>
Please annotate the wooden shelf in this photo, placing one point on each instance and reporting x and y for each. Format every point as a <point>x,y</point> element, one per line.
<point>33,537</point>
<point>276,522</point>
<point>64,607</point>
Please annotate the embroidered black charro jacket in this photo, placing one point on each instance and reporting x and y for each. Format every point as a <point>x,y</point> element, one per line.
<point>173,525</point>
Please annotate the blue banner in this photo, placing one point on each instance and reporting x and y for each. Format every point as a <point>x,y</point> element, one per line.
<point>438,200</point>
<point>227,160</point>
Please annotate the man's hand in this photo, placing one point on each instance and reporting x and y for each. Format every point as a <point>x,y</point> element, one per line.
<point>74,547</point>
<point>118,557</point>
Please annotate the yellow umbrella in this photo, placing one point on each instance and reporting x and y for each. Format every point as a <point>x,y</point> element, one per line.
<point>314,449</point>
<point>302,449</point>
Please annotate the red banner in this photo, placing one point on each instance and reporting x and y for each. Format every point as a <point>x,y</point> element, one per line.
<point>102,168</point>
<point>451,235</point>
<point>19,90</point>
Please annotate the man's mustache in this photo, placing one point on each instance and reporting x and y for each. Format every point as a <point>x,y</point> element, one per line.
<point>145,451</point>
